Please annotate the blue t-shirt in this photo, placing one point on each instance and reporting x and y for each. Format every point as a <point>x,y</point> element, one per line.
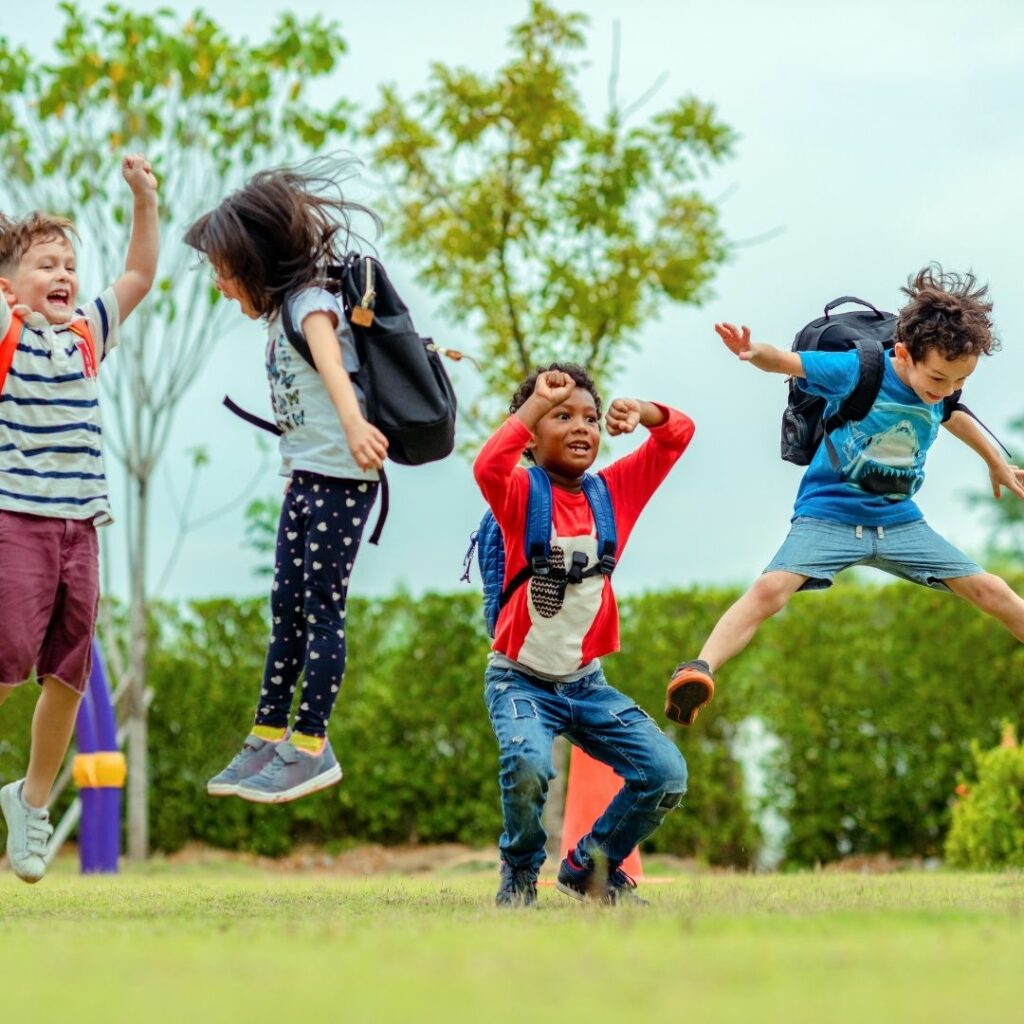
<point>881,457</point>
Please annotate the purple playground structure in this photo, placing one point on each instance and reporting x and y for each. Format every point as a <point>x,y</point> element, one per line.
<point>99,772</point>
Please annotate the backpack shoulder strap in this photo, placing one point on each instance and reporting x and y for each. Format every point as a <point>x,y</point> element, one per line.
<point>538,522</point>
<point>293,332</point>
<point>82,329</point>
<point>537,534</point>
<point>857,404</point>
<point>8,344</point>
<point>595,487</point>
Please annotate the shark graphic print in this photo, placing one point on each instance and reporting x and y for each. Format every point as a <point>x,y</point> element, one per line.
<point>881,458</point>
<point>888,462</point>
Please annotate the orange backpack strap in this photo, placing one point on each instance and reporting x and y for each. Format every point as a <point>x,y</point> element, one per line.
<point>8,344</point>
<point>92,364</point>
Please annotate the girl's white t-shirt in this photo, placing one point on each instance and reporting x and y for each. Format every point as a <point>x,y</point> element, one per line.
<point>312,438</point>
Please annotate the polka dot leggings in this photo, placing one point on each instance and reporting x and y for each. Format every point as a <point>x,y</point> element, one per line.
<point>322,521</point>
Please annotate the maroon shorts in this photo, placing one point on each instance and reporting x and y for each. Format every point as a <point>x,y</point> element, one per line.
<point>49,593</point>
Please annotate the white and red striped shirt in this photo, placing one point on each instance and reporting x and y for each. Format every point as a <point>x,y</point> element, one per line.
<point>539,629</point>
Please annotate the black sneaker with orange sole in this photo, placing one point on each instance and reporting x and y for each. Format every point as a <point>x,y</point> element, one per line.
<point>691,687</point>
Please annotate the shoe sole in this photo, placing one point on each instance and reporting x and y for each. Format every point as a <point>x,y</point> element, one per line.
<point>5,798</point>
<point>222,789</point>
<point>569,891</point>
<point>688,691</point>
<point>314,785</point>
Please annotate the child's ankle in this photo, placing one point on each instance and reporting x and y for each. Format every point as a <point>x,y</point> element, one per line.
<point>311,745</point>
<point>270,733</point>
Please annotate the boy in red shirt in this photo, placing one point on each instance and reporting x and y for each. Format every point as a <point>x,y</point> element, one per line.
<point>544,678</point>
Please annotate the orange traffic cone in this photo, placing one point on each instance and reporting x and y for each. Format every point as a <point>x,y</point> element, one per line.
<point>588,792</point>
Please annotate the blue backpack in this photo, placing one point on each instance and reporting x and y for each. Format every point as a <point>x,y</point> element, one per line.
<point>487,540</point>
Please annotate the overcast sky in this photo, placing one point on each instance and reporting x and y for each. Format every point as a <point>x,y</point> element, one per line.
<point>877,137</point>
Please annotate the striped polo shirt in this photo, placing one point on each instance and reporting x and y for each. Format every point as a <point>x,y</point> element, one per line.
<point>51,451</point>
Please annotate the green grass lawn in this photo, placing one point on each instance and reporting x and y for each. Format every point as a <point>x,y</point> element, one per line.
<point>194,944</point>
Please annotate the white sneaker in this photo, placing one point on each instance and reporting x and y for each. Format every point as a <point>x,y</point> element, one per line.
<point>28,832</point>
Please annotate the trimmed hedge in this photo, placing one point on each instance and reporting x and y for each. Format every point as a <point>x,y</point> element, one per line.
<point>875,694</point>
<point>410,729</point>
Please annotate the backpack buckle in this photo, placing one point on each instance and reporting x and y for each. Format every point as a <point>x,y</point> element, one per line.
<point>540,565</point>
<point>607,564</point>
<point>579,563</point>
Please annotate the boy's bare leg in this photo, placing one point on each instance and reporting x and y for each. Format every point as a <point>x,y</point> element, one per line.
<point>992,595</point>
<point>692,684</point>
<point>736,628</point>
<point>52,725</point>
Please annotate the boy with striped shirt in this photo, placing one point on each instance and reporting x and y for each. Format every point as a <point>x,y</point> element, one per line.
<point>53,490</point>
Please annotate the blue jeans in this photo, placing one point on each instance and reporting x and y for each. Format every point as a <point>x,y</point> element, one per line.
<point>527,714</point>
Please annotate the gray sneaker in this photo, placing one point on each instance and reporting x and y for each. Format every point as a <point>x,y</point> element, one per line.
<point>291,774</point>
<point>254,756</point>
<point>28,832</point>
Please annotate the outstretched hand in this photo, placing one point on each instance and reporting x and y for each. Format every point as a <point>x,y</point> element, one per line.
<point>138,172</point>
<point>736,340</point>
<point>554,387</point>
<point>1010,477</point>
<point>623,416</point>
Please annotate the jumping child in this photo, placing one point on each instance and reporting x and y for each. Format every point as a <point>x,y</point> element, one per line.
<point>863,514</point>
<point>544,678</point>
<point>53,488</point>
<point>268,244</point>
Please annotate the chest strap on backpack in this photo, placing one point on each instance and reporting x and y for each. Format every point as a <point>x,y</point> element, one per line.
<point>538,535</point>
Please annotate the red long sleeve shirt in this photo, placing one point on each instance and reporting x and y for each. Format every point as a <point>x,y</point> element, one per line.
<point>538,628</point>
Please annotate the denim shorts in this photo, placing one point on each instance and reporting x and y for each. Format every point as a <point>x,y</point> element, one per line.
<point>818,549</point>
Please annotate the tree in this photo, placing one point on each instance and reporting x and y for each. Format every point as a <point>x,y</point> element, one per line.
<point>206,109</point>
<point>551,235</point>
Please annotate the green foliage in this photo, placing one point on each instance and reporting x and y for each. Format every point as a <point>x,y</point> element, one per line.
<point>205,108</point>
<point>552,235</point>
<point>410,729</point>
<point>988,817</point>
<point>261,516</point>
<point>874,694</point>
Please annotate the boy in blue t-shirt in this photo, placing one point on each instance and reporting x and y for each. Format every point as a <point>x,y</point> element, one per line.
<point>863,514</point>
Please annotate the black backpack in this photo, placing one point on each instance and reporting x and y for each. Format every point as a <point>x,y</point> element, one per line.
<point>409,397</point>
<point>870,332</point>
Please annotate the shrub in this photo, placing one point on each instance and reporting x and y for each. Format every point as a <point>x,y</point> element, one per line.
<point>988,815</point>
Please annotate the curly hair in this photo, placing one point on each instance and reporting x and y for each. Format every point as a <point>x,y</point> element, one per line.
<point>947,312</point>
<point>18,236</point>
<point>580,377</point>
<point>276,233</point>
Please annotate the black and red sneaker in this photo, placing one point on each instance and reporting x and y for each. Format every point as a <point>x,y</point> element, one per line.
<point>691,687</point>
<point>590,879</point>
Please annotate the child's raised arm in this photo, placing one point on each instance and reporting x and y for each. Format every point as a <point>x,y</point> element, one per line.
<point>626,414</point>
<point>552,388</point>
<point>758,353</point>
<point>1001,473</point>
<point>143,246</point>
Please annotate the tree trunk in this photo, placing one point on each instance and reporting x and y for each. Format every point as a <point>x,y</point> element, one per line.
<point>136,695</point>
